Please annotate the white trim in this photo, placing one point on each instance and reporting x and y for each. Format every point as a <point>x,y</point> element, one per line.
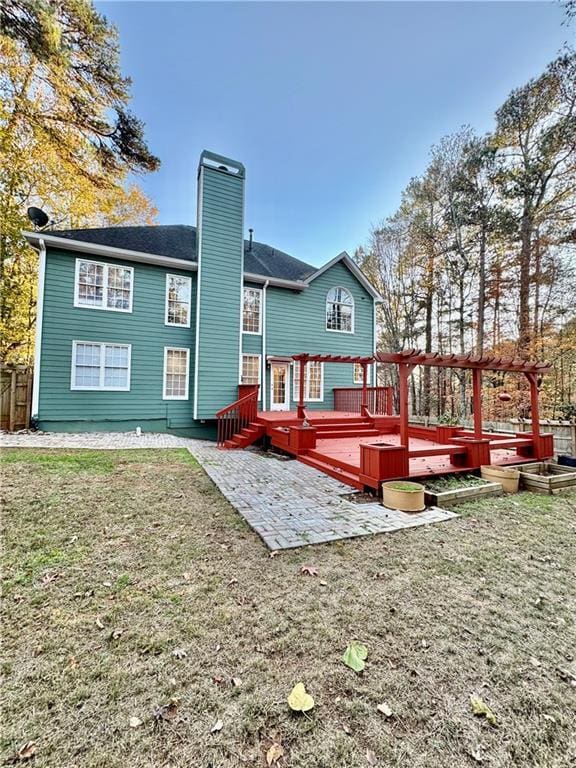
<point>176,397</point>
<point>180,277</point>
<point>278,282</point>
<point>353,305</point>
<point>100,388</point>
<point>259,331</point>
<point>242,383</point>
<point>80,246</point>
<point>285,406</point>
<point>200,192</point>
<point>106,267</point>
<point>39,321</point>
<point>307,398</point>
<point>354,268</point>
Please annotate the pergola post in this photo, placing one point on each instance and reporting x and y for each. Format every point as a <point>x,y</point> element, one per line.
<point>364,406</point>
<point>404,371</point>
<point>534,405</point>
<point>477,400</point>
<point>301,413</point>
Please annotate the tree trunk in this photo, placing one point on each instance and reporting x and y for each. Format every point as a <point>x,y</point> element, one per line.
<point>525,331</point>
<point>481,292</point>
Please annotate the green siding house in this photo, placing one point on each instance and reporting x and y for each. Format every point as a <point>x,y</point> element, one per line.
<point>156,327</point>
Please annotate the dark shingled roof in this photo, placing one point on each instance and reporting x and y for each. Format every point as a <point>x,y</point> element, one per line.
<point>179,242</point>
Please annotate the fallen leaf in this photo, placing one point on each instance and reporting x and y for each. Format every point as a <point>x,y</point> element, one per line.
<point>218,680</point>
<point>72,662</point>
<point>106,583</point>
<point>380,574</point>
<point>550,718</point>
<point>179,653</point>
<point>385,709</point>
<point>186,576</point>
<point>99,623</point>
<point>49,577</point>
<point>274,553</point>
<point>274,754</point>
<point>26,752</point>
<point>355,655</point>
<point>167,711</point>
<point>347,730</point>
<point>116,633</point>
<point>299,700</point>
<point>135,722</point>
<point>309,570</point>
<point>535,662</point>
<point>480,708</point>
<point>323,583</point>
<point>371,758</point>
<point>236,682</point>
<point>218,725</point>
<point>476,754</point>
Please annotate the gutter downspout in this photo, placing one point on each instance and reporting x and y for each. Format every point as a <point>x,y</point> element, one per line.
<point>39,318</point>
<point>264,344</point>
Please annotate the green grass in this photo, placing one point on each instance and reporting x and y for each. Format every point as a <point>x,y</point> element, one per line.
<point>398,485</point>
<point>453,482</point>
<point>129,587</point>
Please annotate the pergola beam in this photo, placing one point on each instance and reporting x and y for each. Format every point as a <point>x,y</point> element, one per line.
<point>485,363</point>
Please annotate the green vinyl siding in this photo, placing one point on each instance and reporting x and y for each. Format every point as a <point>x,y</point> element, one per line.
<point>296,322</point>
<point>221,215</point>
<point>144,329</point>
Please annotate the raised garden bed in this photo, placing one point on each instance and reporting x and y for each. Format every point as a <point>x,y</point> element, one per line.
<point>446,492</point>
<point>546,477</point>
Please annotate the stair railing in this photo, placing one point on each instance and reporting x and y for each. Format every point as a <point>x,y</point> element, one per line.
<point>236,416</point>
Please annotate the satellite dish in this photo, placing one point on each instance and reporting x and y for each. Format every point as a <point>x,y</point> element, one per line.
<point>37,216</point>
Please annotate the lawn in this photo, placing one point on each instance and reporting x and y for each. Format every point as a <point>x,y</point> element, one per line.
<point>140,612</point>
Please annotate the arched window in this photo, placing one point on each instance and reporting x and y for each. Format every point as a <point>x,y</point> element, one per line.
<point>339,310</point>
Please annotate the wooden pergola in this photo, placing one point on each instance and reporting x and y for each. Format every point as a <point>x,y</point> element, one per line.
<point>304,358</point>
<point>410,358</point>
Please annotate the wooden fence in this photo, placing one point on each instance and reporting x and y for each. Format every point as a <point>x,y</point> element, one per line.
<point>564,432</point>
<point>15,397</point>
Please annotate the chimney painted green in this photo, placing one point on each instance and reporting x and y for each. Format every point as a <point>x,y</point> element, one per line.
<point>219,293</point>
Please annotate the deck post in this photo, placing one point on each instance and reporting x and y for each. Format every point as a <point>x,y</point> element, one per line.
<point>301,411</point>
<point>404,371</point>
<point>534,407</point>
<point>477,396</point>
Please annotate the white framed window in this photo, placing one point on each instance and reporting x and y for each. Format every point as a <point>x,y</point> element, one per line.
<point>358,375</point>
<point>339,310</point>
<point>176,371</point>
<point>103,286</point>
<point>250,369</point>
<point>178,293</point>
<point>313,382</point>
<point>252,310</point>
<point>100,366</point>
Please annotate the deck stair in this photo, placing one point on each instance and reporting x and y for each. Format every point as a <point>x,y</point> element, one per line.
<point>333,430</point>
<point>333,468</point>
<point>246,437</point>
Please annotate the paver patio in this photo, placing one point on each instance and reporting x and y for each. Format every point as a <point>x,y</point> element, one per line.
<point>287,503</point>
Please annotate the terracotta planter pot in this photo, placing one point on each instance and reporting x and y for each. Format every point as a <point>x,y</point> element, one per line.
<point>407,497</point>
<point>507,477</point>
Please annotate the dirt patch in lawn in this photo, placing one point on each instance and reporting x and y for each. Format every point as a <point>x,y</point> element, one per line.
<point>134,595</point>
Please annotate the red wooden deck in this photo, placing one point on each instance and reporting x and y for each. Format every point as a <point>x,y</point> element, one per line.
<point>333,443</point>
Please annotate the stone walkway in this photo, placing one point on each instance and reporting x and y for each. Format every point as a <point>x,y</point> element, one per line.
<point>286,502</point>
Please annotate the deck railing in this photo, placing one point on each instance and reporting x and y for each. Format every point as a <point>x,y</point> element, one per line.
<point>236,416</point>
<point>380,400</point>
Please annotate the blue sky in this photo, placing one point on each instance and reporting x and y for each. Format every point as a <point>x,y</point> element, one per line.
<point>331,106</point>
